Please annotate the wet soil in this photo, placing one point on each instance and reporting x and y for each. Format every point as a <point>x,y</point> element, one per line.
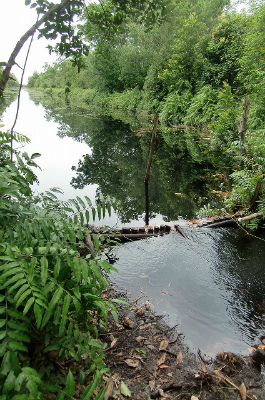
<point>147,359</point>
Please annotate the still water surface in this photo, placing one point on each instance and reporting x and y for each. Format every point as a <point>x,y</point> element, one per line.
<point>212,285</point>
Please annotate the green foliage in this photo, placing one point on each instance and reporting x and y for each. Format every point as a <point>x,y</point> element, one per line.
<point>202,108</point>
<point>50,296</point>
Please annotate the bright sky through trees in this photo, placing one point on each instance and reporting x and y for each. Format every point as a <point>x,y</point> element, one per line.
<point>16,19</point>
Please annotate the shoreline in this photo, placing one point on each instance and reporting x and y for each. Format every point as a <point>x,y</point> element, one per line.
<point>151,359</point>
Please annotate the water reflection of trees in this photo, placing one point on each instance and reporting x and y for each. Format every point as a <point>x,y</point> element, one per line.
<point>6,100</point>
<point>116,161</point>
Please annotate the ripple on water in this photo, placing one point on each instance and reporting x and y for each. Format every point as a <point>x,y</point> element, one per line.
<point>204,284</point>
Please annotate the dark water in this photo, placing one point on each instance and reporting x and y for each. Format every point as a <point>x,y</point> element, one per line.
<point>212,285</point>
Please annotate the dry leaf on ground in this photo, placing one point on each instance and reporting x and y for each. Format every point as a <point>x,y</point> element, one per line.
<point>162,359</point>
<point>127,323</point>
<point>152,385</point>
<point>243,391</point>
<point>134,363</point>
<point>140,339</point>
<point>179,358</point>
<point>164,344</point>
<point>109,389</point>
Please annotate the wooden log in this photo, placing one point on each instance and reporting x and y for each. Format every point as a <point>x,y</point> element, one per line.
<point>222,224</point>
<point>249,217</point>
<point>123,238</point>
<point>233,221</point>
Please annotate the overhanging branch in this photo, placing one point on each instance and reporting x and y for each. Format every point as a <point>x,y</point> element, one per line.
<point>24,38</point>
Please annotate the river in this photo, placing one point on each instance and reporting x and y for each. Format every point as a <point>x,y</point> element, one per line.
<point>213,284</point>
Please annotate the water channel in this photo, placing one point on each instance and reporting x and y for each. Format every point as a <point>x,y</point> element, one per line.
<point>211,285</point>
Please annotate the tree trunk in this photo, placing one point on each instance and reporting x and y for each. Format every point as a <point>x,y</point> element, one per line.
<point>24,38</point>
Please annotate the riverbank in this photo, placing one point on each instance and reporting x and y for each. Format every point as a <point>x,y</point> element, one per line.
<point>147,359</point>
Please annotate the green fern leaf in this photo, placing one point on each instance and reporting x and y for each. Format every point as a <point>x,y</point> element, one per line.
<point>32,266</point>
<point>2,323</point>
<point>13,279</point>
<point>13,324</point>
<point>19,283</point>
<point>82,219</point>
<point>57,267</point>
<point>99,211</point>
<point>3,347</point>
<point>21,290</point>
<point>28,305</point>
<point>55,299</point>
<point>81,202</point>
<point>20,337</point>
<point>87,216</point>
<point>65,309</point>
<point>11,271</point>
<point>70,384</point>
<point>23,297</point>
<point>16,314</point>
<point>17,346</point>
<point>93,213</point>
<point>44,270</point>
<point>89,202</point>
<point>38,314</point>
<point>2,334</point>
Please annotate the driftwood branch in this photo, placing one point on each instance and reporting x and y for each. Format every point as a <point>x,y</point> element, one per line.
<point>12,59</point>
<point>148,169</point>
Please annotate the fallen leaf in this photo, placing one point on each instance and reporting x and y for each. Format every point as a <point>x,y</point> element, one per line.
<point>109,388</point>
<point>162,359</point>
<point>151,347</point>
<point>243,391</point>
<point>113,341</point>
<point>152,385</point>
<point>163,366</point>
<point>134,363</point>
<point>143,276</point>
<point>164,344</point>
<point>145,326</point>
<point>194,398</point>
<point>125,390</point>
<point>140,339</point>
<point>179,358</point>
<point>84,355</point>
<point>127,323</point>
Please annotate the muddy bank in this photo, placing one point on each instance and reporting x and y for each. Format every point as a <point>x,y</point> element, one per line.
<point>147,359</point>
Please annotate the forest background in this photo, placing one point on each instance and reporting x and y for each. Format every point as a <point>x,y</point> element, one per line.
<point>193,62</point>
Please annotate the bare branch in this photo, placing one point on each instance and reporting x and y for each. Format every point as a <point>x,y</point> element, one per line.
<point>24,38</point>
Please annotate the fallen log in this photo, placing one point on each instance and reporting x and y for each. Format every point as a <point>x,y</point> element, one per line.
<point>129,237</point>
<point>233,221</point>
<point>222,224</point>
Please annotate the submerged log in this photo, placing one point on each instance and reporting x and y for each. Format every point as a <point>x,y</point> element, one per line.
<point>129,237</point>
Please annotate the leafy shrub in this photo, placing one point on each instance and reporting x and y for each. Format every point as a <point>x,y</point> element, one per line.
<point>50,296</point>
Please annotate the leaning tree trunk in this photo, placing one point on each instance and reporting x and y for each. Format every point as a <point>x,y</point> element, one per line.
<point>24,38</point>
